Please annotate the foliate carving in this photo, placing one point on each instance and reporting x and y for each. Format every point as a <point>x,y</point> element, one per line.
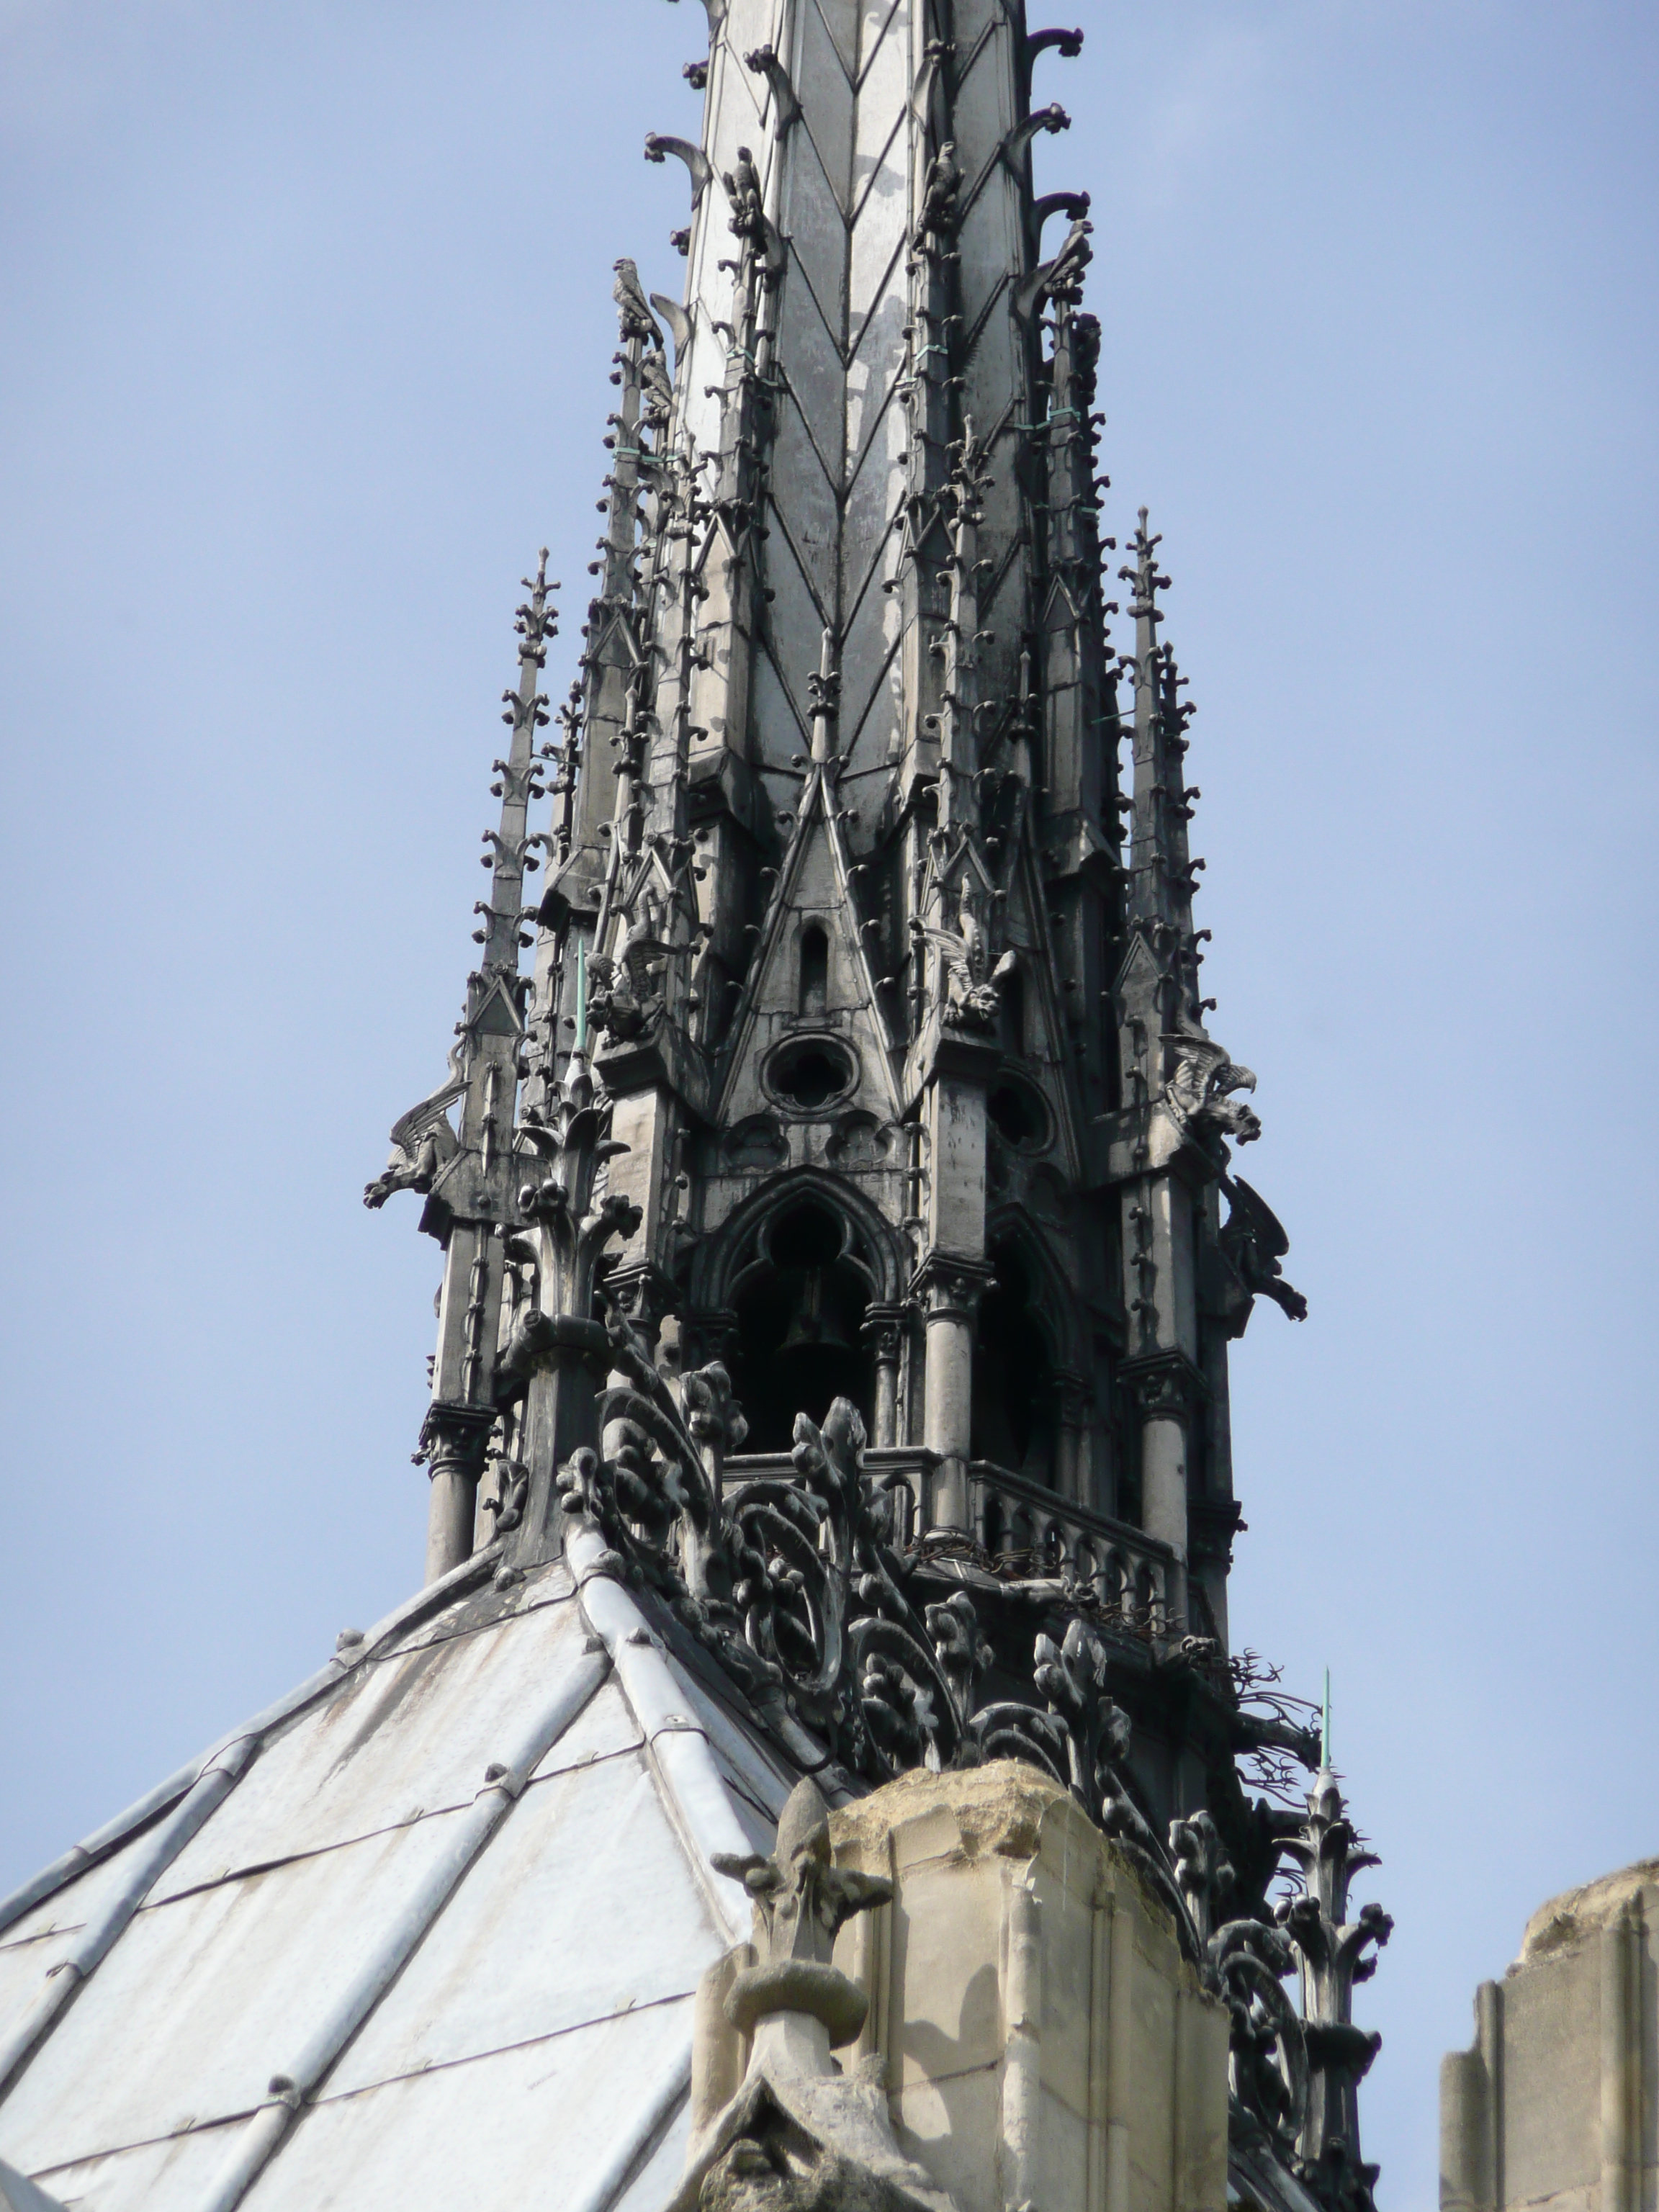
<point>951,1289</point>
<point>784,106</point>
<point>644,1295</point>
<point>567,1227</point>
<point>511,1489</point>
<point>1197,1095</point>
<point>1166,1387</point>
<point>709,1333</point>
<point>796,1585</point>
<point>1334,1953</point>
<point>883,1330</point>
<point>454,1439</point>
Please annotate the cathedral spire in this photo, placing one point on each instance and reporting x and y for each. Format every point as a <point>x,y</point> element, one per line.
<point>840,888</point>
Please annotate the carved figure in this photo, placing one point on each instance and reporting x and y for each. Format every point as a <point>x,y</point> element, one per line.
<point>940,188</point>
<point>658,391</point>
<point>637,320</point>
<point>1254,1243</point>
<point>625,995</point>
<point>1064,277</point>
<point>799,2134</point>
<point>743,189</point>
<point>972,983</point>
<point>1197,1094</point>
<point>422,1143</point>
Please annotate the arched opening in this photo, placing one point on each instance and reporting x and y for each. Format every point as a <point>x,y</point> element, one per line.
<point>1017,1114</point>
<point>810,1071</point>
<point>814,970</point>
<point>800,1311</point>
<point>1013,1407</point>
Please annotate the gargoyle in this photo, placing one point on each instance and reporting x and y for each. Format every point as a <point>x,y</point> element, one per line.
<point>743,189</point>
<point>938,194</point>
<point>1253,1242</point>
<point>972,984</point>
<point>1199,1093</point>
<point>422,1143</point>
<point>637,320</point>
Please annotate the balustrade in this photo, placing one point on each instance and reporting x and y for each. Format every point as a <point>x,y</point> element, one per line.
<point>1128,1571</point>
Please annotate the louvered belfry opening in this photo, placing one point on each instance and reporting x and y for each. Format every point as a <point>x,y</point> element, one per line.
<point>800,1311</point>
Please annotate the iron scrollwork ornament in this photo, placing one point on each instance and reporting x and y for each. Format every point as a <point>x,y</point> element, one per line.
<point>796,1585</point>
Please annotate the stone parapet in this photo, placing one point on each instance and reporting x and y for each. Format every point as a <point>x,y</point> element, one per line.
<point>1043,2039</point>
<point>1556,2106</point>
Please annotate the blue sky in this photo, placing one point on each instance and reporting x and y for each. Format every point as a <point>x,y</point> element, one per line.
<point>306,325</point>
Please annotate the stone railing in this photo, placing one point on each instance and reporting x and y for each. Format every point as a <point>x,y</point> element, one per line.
<point>1128,1570</point>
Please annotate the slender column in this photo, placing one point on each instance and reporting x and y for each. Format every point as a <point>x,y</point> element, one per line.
<point>1068,1455</point>
<point>883,1332</point>
<point>1166,1388</point>
<point>951,1291</point>
<point>454,1440</point>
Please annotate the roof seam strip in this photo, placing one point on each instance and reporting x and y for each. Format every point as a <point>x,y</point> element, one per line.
<point>261,2135</point>
<point>206,1794</point>
<point>82,1856</point>
<point>693,1789</point>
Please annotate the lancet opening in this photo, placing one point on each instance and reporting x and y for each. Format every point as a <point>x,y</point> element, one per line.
<point>1013,1421</point>
<point>814,970</point>
<point>800,1314</point>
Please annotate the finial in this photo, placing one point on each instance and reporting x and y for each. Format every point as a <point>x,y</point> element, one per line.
<point>1325,1726</point>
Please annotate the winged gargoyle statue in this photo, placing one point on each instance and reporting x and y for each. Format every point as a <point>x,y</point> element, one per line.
<point>972,982</point>
<point>1254,1242</point>
<point>422,1143</point>
<point>1198,1093</point>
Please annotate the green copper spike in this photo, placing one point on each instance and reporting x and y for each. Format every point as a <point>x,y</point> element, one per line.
<point>1325,1725</point>
<point>582,995</point>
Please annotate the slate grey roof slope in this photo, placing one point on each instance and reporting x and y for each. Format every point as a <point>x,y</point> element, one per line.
<point>425,1934</point>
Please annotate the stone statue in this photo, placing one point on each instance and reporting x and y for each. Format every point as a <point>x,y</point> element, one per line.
<point>798,2134</point>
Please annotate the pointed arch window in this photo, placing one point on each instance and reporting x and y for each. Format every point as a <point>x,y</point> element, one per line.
<point>1013,1390</point>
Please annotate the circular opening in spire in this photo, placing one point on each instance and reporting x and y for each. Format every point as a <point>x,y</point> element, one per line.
<point>1018,1115</point>
<point>811,1072</point>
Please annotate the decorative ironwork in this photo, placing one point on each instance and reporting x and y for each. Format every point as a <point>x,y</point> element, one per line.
<point>799,1586</point>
